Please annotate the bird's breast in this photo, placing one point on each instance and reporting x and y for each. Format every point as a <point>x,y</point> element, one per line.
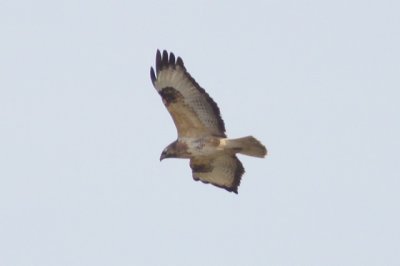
<point>204,146</point>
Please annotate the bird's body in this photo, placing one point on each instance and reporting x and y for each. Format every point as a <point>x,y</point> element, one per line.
<point>205,146</point>
<point>201,130</point>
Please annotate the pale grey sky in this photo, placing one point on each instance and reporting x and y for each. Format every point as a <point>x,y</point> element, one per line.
<point>82,129</point>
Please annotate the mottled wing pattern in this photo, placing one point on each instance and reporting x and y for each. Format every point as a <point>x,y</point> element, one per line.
<point>223,171</point>
<point>194,113</point>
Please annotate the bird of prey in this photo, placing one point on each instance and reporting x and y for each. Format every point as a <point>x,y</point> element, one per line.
<point>201,130</point>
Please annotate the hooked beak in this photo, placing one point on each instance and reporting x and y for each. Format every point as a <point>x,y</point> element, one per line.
<point>163,156</point>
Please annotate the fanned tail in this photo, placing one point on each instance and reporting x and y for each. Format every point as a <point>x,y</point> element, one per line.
<point>247,145</point>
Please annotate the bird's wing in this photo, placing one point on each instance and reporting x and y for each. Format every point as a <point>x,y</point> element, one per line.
<point>194,113</point>
<point>224,171</point>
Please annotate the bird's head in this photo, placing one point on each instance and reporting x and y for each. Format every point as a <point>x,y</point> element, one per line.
<point>169,152</point>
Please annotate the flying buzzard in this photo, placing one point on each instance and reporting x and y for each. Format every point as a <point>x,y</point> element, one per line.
<point>201,130</point>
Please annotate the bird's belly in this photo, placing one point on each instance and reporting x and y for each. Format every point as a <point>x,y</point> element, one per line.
<point>204,146</point>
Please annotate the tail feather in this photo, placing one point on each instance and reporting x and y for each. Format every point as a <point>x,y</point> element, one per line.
<point>247,145</point>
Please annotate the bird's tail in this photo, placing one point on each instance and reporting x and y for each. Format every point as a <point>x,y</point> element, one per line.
<point>247,145</point>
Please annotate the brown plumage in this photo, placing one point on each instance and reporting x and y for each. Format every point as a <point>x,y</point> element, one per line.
<point>201,130</point>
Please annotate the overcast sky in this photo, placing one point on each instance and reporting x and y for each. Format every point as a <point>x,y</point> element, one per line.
<point>82,129</point>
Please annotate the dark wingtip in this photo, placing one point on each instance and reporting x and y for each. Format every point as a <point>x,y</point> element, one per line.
<point>158,61</point>
<point>171,59</point>
<point>179,62</point>
<point>238,175</point>
<point>233,189</point>
<point>152,75</point>
<point>164,58</point>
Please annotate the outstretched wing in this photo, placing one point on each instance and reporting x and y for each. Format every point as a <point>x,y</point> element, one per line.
<point>194,113</point>
<point>224,171</point>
